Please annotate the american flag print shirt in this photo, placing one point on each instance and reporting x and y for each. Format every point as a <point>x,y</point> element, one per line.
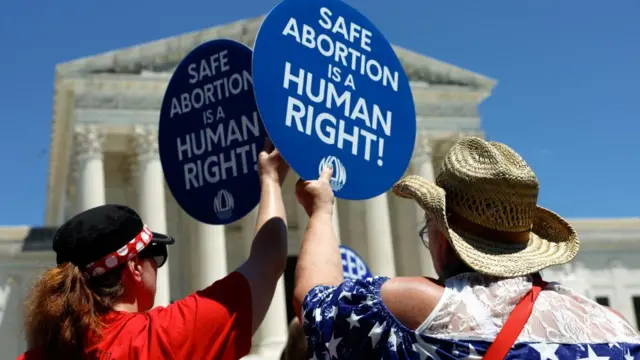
<point>350,321</point>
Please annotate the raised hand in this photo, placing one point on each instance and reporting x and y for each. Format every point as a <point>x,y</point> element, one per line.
<point>272,166</point>
<point>316,196</point>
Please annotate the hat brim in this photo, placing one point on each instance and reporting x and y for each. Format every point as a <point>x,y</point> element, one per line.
<point>552,241</point>
<point>159,238</point>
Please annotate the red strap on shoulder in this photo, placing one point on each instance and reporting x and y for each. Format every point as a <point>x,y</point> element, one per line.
<point>515,323</point>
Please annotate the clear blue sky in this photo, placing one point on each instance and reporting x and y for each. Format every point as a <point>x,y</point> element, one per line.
<point>568,98</point>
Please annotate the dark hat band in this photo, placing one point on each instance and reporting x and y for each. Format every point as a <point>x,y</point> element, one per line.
<point>122,255</point>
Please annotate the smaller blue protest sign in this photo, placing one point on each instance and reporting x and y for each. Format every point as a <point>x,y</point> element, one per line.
<point>353,267</point>
<point>332,91</point>
<point>210,133</point>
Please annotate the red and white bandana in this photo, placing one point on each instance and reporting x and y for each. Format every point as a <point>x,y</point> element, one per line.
<point>127,252</point>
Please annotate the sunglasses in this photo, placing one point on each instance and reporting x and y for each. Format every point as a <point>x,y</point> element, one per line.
<point>155,251</point>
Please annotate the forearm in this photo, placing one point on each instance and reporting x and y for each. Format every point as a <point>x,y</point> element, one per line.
<point>268,254</point>
<point>270,242</point>
<point>319,262</point>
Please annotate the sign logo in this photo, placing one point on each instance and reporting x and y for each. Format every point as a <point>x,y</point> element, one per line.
<point>210,133</point>
<point>328,82</point>
<point>339,177</point>
<point>353,267</point>
<point>223,205</point>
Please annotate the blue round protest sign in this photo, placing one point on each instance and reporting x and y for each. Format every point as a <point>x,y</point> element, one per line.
<point>210,133</point>
<point>331,91</point>
<point>353,267</point>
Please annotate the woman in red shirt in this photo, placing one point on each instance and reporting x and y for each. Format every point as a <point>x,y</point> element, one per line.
<point>96,303</point>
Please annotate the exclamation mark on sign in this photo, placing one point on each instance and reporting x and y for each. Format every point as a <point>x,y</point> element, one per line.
<point>380,150</point>
<point>255,156</point>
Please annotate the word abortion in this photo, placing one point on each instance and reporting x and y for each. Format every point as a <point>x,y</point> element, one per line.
<point>324,124</point>
<point>212,91</point>
<point>341,53</point>
<point>222,166</point>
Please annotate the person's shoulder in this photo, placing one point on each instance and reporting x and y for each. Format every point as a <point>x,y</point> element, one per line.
<point>411,299</point>
<point>234,283</point>
<point>418,286</point>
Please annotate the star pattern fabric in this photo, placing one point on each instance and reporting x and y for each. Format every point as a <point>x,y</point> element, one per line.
<point>350,321</point>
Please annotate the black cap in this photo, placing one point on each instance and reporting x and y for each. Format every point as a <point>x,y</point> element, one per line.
<point>97,232</point>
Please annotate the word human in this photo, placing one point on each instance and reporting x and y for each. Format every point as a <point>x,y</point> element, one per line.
<point>224,165</point>
<point>213,90</point>
<point>324,124</point>
<point>340,52</point>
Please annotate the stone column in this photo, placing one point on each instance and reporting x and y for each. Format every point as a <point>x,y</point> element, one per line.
<point>623,293</point>
<point>151,201</point>
<point>12,287</point>
<point>271,336</point>
<point>90,190</point>
<point>208,249</point>
<point>379,236</point>
<point>422,163</point>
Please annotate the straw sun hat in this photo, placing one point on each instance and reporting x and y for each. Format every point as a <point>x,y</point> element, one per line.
<point>488,189</point>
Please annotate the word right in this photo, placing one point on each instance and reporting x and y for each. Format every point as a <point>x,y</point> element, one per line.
<point>309,110</point>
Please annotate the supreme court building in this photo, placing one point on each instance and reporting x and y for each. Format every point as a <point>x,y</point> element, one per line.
<point>104,150</point>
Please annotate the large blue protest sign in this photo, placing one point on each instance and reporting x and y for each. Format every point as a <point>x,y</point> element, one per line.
<point>210,133</point>
<point>353,267</point>
<point>331,91</point>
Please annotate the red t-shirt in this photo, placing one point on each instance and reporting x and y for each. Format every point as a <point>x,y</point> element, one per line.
<point>214,323</point>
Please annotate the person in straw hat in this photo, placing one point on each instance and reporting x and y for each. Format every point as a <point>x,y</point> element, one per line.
<point>489,240</point>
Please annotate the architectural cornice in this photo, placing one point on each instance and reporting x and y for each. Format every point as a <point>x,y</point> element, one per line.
<point>136,92</point>
<point>117,117</point>
<point>119,100</point>
<point>447,93</point>
<point>61,138</point>
<point>26,242</point>
<point>123,99</point>
<point>632,224</point>
<point>165,54</point>
<point>607,234</point>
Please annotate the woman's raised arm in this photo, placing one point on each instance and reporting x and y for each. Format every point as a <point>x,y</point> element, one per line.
<point>268,255</point>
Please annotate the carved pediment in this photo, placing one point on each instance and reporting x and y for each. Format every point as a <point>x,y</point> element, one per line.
<point>164,55</point>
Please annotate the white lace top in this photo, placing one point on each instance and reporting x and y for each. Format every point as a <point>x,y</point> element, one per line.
<point>475,307</point>
<point>350,321</point>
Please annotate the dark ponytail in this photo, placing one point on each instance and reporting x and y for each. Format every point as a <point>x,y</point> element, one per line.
<point>64,307</point>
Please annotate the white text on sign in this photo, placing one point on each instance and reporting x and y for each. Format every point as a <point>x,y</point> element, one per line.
<point>352,266</point>
<point>361,126</point>
<point>341,53</point>
<point>216,131</point>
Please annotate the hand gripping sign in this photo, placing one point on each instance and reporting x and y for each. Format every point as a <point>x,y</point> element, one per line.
<point>210,133</point>
<point>331,91</point>
<point>353,267</point>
